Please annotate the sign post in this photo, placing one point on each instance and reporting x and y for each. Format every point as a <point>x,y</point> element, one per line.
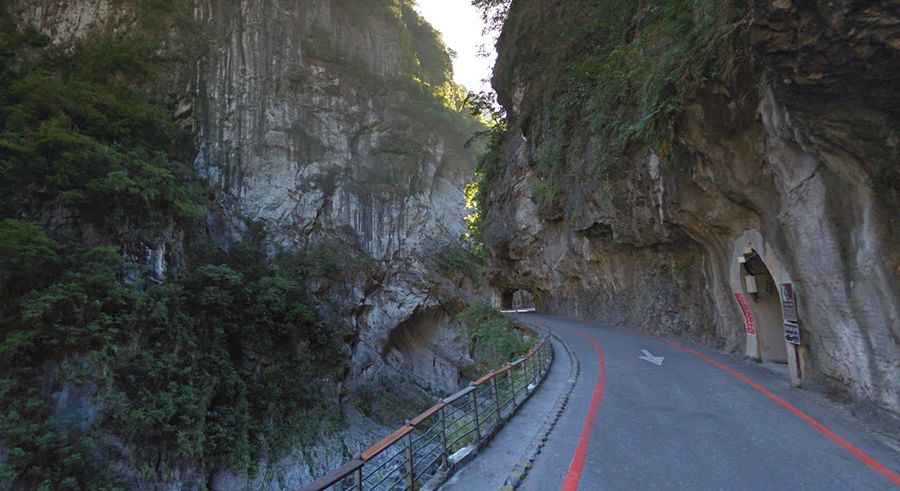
<point>791,332</point>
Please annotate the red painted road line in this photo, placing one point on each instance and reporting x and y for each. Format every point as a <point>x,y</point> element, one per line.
<point>834,437</point>
<point>577,466</point>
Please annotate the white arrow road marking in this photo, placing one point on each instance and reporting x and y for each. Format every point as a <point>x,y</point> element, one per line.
<point>656,360</point>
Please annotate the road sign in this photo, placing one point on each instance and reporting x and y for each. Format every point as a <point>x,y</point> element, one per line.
<point>789,303</point>
<point>792,332</point>
<point>789,311</point>
<point>749,323</point>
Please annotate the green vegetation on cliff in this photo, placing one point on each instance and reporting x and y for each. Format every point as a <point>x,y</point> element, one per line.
<point>425,75</point>
<point>615,82</point>
<point>220,366</point>
<point>79,132</point>
<point>426,56</point>
<point>494,339</point>
<point>227,361</point>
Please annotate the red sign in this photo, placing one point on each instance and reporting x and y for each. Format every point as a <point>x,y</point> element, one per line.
<point>749,323</point>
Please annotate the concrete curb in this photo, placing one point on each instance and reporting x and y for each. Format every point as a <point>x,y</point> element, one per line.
<point>520,471</point>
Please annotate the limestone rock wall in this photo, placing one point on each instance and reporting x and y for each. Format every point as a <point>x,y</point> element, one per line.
<point>796,156</point>
<point>309,122</point>
<point>313,120</point>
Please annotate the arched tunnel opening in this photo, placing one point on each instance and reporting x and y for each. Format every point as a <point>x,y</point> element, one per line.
<point>761,287</point>
<point>768,301</point>
<point>516,299</point>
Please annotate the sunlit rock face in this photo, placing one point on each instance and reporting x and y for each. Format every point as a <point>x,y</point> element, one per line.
<point>795,156</point>
<point>65,22</point>
<point>312,122</point>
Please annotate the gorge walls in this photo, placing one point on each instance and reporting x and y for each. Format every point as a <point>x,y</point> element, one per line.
<point>317,121</point>
<point>331,132</point>
<point>649,148</point>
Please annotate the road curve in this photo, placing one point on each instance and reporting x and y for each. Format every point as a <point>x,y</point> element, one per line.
<point>700,421</point>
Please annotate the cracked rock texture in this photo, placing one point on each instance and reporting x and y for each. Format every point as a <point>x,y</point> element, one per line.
<point>309,122</point>
<point>797,156</point>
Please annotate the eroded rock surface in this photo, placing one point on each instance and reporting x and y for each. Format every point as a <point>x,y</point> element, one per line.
<point>793,153</point>
<point>315,121</point>
<point>310,123</point>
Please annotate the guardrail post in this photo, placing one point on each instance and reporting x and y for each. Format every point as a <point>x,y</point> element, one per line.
<point>525,375</point>
<point>512,386</point>
<point>543,357</point>
<point>475,408</point>
<point>410,468</point>
<point>496,398</point>
<point>358,477</point>
<point>540,359</point>
<point>527,372</point>
<point>548,354</point>
<point>445,456</point>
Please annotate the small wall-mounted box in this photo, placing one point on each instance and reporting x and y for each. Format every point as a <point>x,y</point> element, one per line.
<point>750,281</point>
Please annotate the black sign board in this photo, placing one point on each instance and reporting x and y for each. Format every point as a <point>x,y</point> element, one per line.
<point>789,303</point>
<point>792,332</point>
<point>789,311</point>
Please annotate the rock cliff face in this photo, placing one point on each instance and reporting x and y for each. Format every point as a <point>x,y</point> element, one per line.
<point>317,121</point>
<point>781,145</point>
<point>314,120</point>
<point>311,123</point>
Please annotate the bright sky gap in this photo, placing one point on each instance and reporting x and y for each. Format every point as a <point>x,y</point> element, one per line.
<point>462,28</point>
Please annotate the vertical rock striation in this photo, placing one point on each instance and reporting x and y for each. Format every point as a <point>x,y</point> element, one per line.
<point>321,123</point>
<point>314,120</point>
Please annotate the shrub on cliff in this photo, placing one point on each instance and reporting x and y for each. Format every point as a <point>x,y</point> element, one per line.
<point>79,131</point>
<point>614,82</point>
<point>222,367</point>
<point>493,339</point>
<point>218,367</point>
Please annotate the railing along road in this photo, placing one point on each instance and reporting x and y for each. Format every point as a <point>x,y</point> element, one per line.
<point>438,439</point>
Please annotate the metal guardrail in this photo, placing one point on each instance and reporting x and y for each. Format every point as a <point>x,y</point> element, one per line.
<point>437,439</point>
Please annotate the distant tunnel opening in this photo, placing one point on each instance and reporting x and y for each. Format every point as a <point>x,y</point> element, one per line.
<point>516,299</point>
<point>761,287</point>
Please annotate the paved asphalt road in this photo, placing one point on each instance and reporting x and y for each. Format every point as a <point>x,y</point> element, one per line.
<point>689,424</point>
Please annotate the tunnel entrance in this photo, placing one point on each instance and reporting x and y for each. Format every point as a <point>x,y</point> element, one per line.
<point>769,302</point>
<point>760,287</point>
<point>516,299</point>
